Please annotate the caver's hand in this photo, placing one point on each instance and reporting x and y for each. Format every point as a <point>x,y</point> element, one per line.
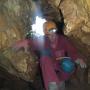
<point>81,63</point>
<point>21,44</point>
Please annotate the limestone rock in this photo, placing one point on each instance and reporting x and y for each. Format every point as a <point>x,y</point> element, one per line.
<point>19,63</point>
<point>76,18</point>
<point>9,32</point>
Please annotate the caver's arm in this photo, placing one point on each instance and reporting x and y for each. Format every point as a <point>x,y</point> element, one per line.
<point>73,53</point>
<point>25,44</point>
<point>71,50</point>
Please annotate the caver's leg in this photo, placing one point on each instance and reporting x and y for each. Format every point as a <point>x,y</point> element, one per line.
<point>63,76</point>
<point>48,72</point>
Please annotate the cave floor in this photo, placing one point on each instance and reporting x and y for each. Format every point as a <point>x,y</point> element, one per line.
<point>70,85</point>
<point>9,82</point>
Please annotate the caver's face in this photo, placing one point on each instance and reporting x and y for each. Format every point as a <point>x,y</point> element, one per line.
<point>51,34</point>
<point>49,29</point>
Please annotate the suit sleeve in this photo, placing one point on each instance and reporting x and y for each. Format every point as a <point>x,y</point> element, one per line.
<point>24,43</point>
<point>71,50</point>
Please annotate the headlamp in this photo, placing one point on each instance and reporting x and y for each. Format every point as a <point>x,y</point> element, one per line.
<point>52,30</point>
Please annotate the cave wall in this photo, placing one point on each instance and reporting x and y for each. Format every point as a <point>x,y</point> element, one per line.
<point>16,17</point>
<point>76,18</point>
<point>15,22</point>
<point>76,15</point>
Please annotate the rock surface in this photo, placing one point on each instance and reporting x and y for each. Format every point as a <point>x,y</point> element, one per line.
<point>16,17</point>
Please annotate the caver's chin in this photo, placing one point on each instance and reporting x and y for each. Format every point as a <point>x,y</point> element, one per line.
<point>52,37</point>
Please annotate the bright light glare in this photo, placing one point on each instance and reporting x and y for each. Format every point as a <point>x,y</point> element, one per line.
<point>38,26</point>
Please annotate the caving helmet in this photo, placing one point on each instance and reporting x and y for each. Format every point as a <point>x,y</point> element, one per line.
<point>67,65</point>
<point>49,27</point>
